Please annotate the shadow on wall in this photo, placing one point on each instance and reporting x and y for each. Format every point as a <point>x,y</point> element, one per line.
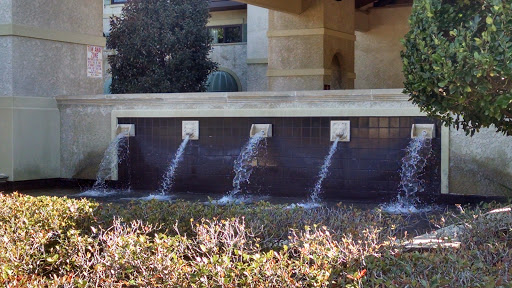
<point>88,166</point>
<point>483,177</point>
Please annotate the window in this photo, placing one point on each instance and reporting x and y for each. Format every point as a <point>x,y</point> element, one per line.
<point>226,34</point>
<point>118,1</point>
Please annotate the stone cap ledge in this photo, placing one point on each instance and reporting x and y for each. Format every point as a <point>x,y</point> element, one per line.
<point>321,96</point>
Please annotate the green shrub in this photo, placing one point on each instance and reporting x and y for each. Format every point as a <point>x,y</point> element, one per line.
<point>161,46</point>
<point>457,62</point>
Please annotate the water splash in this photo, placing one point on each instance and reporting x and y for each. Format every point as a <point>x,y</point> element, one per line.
<point>413,166</point>
<point>305,205</point>
<point>324,171</point>
<point>231,199</point>
<point>157,197</point>
<point>116,152</point>
<point>168,180</point>
<point>97,193</point>
<point>243,164</point>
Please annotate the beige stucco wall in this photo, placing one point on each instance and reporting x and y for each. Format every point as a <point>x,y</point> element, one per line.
<point>481,164</point>
<point>43,47</point>
<point>43,68</point>
<point>5,12</point>
<point>6,50</point>
<point>257,28</point>
<point>56,15</point>
<point>84,138</point>
<point>377,52</point>
<point>77,16</point>
<point>257,77</point>
<point>232,56</point>
<point>257,48</point>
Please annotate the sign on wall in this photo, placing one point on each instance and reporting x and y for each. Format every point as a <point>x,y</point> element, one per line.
<point>94,61</point>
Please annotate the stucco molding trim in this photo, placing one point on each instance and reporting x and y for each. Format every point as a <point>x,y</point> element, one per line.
<point>226,98</point>
<point>311,32</point>
<point>51,35</point>
<point>257,60</point>
<point>297,72</point>
<point>20,102</point>
<point>267,112</point>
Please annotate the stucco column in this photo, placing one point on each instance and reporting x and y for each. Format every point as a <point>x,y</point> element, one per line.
<point>312,49</point>
<point>43,50</point>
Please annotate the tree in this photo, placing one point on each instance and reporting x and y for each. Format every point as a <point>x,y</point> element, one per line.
<point>161,46</point>
<point>457,62</point>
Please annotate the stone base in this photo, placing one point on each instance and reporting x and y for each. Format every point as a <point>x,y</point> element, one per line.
<point>30,138</point>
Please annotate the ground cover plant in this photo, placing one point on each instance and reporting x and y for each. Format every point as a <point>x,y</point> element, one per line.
<point>60,242</point>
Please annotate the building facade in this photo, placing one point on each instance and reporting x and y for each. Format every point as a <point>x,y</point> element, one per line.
<point>243,53</point>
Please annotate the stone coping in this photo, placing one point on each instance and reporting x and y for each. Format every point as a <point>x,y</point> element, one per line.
<point>321,96</point>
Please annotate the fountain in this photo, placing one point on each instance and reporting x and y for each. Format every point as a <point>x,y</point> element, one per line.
<point>168,179</point>
<point>340,131</point>
<point>243,165</point>
<point>413,165</point>
<point>324,171</point>
<point>116,152</point>
<point>189,131</point>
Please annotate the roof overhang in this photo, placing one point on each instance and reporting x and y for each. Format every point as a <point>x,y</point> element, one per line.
<point>224,5</point>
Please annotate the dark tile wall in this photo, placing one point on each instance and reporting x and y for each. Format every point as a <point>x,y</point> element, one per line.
<point>366,167</point>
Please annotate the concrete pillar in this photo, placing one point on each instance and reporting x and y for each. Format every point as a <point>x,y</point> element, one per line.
<point>43,49</point>
<point>315,48</point>
<point>257,48</point>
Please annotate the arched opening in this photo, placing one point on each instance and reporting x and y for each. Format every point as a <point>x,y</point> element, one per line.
<point>336,73</point>
<point>223,81</point>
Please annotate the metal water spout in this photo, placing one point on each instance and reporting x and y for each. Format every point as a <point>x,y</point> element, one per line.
<point>128,130</point>
<point>190,129</point>
<point>266,129</point>
<point>340,130</point>
<point>427,131</point>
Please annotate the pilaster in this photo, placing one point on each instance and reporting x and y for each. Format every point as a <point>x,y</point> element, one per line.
<point>43,45</point>
<point>313,50</point>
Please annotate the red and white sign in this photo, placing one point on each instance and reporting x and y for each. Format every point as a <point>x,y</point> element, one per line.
<point>94,61</point>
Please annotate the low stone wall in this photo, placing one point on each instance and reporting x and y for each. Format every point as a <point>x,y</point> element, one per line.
<point>479,165</point>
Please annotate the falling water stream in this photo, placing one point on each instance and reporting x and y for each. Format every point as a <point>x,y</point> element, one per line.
<point>243,168</point>
<point>413,165</point>
<point>324,171</point>
<point>314,198</point>
<point>115,153</point>
<point>169,175</point>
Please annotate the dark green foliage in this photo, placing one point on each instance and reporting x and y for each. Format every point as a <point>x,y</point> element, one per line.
<point>162,47</point>
<point>458,62</point>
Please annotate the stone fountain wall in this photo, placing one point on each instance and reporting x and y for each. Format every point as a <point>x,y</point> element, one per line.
<point>365,167</point>
<point>478,165</point>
